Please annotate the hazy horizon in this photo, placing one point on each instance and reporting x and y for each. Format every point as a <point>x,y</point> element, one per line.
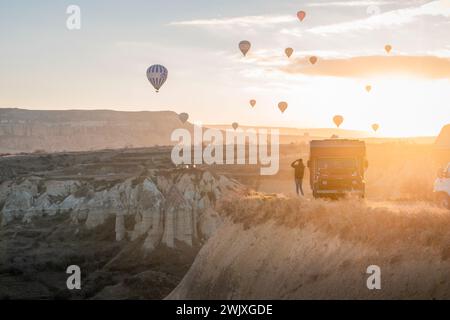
<point>284,130</point>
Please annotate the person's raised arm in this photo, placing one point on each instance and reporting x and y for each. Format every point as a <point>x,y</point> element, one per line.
<point>294,164</point>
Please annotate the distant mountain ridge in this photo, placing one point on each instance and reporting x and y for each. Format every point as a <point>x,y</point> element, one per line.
<point>27,131</point>
<point>75,130</point>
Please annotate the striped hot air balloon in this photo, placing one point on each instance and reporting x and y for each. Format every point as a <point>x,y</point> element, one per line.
<point>157,75</point>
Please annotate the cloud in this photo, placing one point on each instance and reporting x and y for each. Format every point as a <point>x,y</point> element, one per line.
<point>443,53</point>
<point>371,22</point>
<point>276,57</point>
<point>244,21</point>
<point>370,66</point>
<point>387,19</point>
<point>351,3</point>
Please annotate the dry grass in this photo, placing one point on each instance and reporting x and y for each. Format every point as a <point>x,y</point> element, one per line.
<point>381,226</point>
<point>283,248</point>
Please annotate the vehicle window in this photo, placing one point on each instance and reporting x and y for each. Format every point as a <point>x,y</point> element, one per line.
<point>336,163</point>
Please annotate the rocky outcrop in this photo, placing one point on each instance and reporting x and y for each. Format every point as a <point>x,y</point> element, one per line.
<point>443,140</point>
<point>163,207</point>
<point>442,147</point>
<point>75,130</point>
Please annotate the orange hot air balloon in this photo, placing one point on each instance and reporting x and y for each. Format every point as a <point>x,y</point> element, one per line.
<point>244,46</point>
<point>388,48</point>
<point>289,52</point>
<point>338,120</point>
<point>282,106</point>
<point>313,60</point>
<point>375,127</point>
<point>368,88</point>
<point>301,15</point>
<point>252,103</point>
<point>235,125</point>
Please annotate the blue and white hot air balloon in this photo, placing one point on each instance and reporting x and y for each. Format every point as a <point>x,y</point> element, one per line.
<point>157,75</point>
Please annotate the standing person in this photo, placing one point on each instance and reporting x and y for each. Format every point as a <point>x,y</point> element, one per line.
<point>299,173</point>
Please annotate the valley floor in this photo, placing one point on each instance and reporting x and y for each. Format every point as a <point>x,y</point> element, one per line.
<point>34,258</point>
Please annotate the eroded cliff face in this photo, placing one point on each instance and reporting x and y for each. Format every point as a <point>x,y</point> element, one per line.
<point>165,207</point>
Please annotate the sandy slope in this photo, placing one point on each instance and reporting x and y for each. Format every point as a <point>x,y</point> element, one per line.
<point>287,248</point>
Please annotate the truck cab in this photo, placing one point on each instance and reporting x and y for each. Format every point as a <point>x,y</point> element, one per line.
<point>442,187</point>
<point>337,168</point>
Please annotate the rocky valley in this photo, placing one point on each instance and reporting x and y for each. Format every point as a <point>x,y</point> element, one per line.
<point>127,218</point>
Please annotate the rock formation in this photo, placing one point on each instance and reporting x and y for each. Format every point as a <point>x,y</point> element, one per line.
<point>74,130</point>
<point>165,207</point>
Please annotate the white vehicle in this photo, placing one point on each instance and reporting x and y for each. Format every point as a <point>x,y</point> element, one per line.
<point>442,187</point>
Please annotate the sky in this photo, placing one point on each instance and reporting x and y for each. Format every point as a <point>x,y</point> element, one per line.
<point>44,65</point>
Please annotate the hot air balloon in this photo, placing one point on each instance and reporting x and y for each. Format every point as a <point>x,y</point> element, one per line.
<point>301,15</point>
<point>235,125</point>
<point>244,46</point>
<point>313,60</point>
<point>183,117</point>
<point>282,106</point>
<point>157,75</point>
<point>338,120</point>
<point>289,52</point>
<point>252,103</point>
<point>375,127</point>
<point>388,48</point>
<point>368,88</point>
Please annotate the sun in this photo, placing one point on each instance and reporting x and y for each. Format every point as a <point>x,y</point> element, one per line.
<point>402,106</point>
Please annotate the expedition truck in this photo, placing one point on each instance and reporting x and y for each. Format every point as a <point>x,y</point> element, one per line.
<point>337,168</point>
<point>442,187</point>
